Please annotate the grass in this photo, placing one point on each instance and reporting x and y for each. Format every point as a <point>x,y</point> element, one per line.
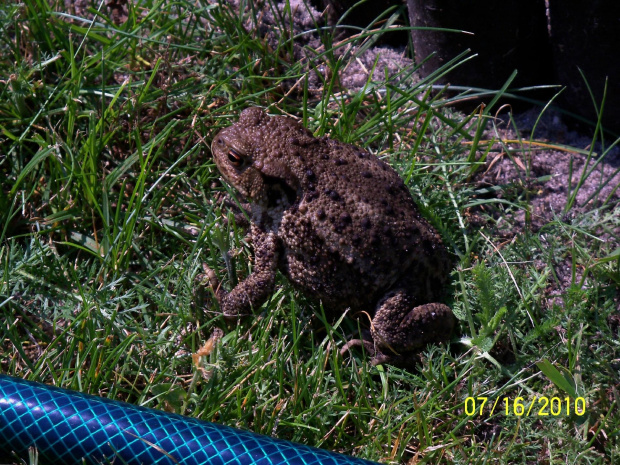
<point>109,206</point>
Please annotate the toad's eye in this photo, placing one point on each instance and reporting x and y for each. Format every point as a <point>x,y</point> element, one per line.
<point>235,158</point>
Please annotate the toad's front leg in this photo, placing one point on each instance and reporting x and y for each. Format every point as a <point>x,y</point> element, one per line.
<point>256,288</point>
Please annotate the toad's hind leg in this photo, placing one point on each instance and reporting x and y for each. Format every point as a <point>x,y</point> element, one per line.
<point>400,326</point>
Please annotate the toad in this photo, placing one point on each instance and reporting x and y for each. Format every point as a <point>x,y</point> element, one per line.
<point>341,226</point>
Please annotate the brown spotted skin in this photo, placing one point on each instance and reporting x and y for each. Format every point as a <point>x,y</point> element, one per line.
<point>341,225</point>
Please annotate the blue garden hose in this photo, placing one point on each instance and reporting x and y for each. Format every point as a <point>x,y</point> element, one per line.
<point>67,427</point>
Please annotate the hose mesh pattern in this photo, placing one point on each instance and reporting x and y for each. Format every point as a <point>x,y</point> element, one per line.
<point>68,426</point>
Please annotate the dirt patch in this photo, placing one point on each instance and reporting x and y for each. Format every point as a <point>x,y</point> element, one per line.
<point>538,148</point>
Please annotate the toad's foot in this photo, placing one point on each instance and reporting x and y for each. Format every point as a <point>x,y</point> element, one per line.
<point>209,277</point>
<point>407,360</point>
<point>366,342</point>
